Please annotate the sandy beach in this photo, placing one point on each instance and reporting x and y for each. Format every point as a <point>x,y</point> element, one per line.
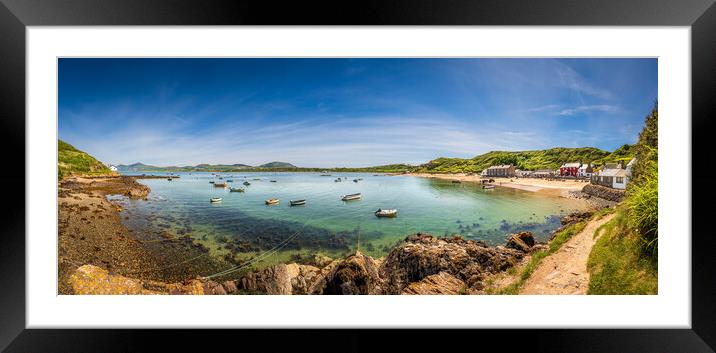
<point>559,187</point>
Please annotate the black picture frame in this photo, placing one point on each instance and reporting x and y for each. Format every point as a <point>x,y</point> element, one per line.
<point>16,15</point>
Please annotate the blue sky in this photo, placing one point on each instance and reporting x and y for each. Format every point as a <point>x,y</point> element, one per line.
<point>347,112</point>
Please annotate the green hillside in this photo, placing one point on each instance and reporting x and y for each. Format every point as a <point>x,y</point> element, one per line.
<point>71,161</point>
<point>527,160</point>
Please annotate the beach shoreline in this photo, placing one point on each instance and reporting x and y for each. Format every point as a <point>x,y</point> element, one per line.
<point>538,185</point>
<point>91,232</point>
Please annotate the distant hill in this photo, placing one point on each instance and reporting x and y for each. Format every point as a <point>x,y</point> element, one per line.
<point>71,161</point>
<point>137,167</point>
<point>277,165</point>
<point>527,160</point>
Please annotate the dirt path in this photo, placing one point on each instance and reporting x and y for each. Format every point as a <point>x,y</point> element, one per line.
<point>565,272</point>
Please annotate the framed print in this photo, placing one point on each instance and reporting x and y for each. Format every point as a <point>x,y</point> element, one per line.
<point>233,166</point>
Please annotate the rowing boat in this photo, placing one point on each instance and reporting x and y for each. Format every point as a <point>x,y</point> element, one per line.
<point>297,202</point>
<point>215,199</point>
<point>272,202</point>
<point>386,213</point>
<point>351,197</point>
<point>237,189</point>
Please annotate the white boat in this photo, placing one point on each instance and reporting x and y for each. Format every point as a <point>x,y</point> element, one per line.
<point>488,186</point>
<point>297,202</point>
<point>237,189</point>
<point>272,201</point>
<point>215,199</point>
<point>386,213</point>
<point>351,197</point>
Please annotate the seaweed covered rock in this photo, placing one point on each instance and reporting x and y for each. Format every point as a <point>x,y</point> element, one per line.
<point>423,255</point>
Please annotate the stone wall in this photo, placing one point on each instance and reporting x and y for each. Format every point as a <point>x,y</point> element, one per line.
<point>604,192</point>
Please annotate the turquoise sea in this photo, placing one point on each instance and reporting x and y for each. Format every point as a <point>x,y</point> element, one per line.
<point>242,225</point>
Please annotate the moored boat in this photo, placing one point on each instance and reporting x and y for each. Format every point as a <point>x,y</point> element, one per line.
<point>386,213</point>
<point>237,189</point>
<point>297,202</point>
<point>220,185</point>
<point>211,182</point>
<point>355,180</point>
<point>247,183</point>
<point>488,186</point>
<point>351,197</point>
<point>229,180</point>
<point>215,199</point>
<point>272,201</point>
<point>338,180</point>
<point>456,181</point>
<point>273,181</point>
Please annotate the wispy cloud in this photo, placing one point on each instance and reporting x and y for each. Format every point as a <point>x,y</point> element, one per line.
<point>588,108</point>
<point>574,81</point>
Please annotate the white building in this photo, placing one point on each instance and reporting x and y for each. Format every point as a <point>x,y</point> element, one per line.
<point>113,168</point>
<point>586,170</point>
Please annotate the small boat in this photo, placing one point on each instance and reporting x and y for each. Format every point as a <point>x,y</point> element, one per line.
<point>237,189</point>
<point>325,175</point>
<point>456,181</point>
<point>215,199</point>
<point>257,178</point>
<point>355,180</point>
<point>273,181</point>
<point>220,185</point>
<point>297,202</point>
<point>338,180</point>
<point>272,202</point>
<point>211,182</point>
<point>488,186</point>
<point>247,183</point>
<point>351,197</point>
<point>229,180</point>
<point>169,179</point>
<point>386,213</point>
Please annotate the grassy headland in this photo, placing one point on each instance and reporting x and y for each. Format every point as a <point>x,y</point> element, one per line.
<point>71,161</point>
<point>624,260</point>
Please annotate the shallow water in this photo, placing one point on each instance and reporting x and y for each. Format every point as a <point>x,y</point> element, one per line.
<point>243,224</point>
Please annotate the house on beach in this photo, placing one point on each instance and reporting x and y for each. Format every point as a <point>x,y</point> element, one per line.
<point>569,169</point>
<point>506,170</point>
<point>586,170</point>
<point>613,175</point>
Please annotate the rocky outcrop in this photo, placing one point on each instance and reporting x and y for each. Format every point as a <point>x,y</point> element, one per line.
<point>523,241</point>
<point>90,279</point>
<point>281,279</point>
<point>423,255</point>
<point>441,283</point>
<point>357,274</point>
<point>604,192</point>
<point>576,217</point>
